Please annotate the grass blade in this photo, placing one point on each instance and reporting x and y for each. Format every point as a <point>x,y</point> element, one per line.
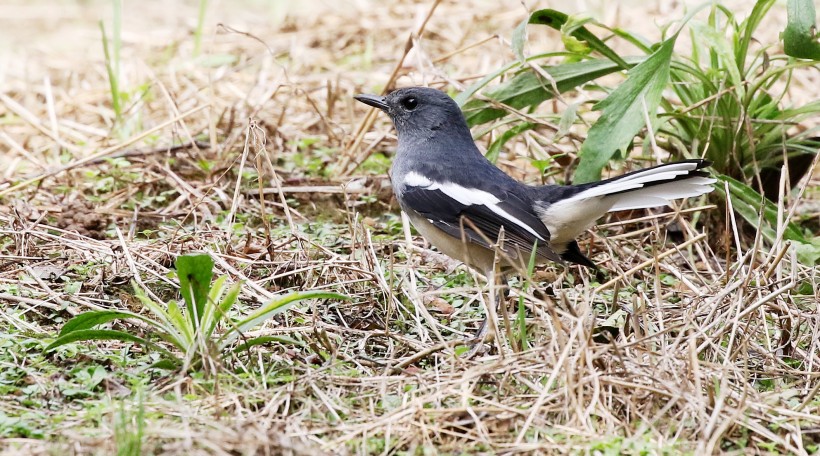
<point>748,203</point>
<point>495,147</point>
<point>273,308</point>
<point>113,78</point>
<point>261,340</point>
<point>222,307</point>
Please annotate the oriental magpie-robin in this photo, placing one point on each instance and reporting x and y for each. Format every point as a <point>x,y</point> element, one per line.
<point>474,212</point>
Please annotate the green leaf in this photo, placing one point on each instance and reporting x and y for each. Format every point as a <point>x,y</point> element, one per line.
<point>747,202</point>
<point>528,88</point>
<point>211,314</point>
<point>195,272</point>
<point>558,20</point>
<point>261,340</point>
<point>94,318</point>
<point>519,36</point>
<point>274,307</point>
<point>809,252</point>
<point>567,121</point>
<point>720,46</point>
<point>159,313</point>
<point>462,98</point>
<point>495,147</point>
<point>230,299</point>
<point>179,323</point>
<point>177,334</point>
<point>169,364</point>
<point>747,29</point>
<point>225,305</point>
<point>103,334</point>
<point>569,35</point>
<point>800,36</point>
<point>623,112</point>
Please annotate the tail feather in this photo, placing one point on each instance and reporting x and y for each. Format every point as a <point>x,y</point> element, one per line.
<point>661,194</point>
<point>575,210</point>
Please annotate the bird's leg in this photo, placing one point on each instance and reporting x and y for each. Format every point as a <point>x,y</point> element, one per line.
<point>489,326</point>
<point>503,303</point>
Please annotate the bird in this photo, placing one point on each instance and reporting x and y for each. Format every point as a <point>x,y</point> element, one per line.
<point>472,211</point>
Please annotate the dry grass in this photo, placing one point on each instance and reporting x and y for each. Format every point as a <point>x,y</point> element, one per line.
<point>248,151</point>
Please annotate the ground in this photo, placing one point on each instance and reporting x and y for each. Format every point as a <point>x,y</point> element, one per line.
<point>238,135</point>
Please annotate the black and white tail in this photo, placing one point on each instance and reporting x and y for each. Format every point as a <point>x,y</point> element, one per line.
<point>568,216</point>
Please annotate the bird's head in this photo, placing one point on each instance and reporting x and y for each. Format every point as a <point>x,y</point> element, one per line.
<point>420,112</point>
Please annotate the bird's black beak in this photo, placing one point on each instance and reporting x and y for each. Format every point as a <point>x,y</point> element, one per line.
<point>373,100</point>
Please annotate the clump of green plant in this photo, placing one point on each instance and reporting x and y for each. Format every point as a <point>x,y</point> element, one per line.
<point>722,102</point>
<point>202,331</point>
<point>730,104</point>
<point>730,110</point>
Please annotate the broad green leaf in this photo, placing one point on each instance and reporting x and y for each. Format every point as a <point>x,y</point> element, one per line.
<point>800,36</point>
<point>623,112</point>
<point>88,320</point>
<point>558,20</point>
<point>195,272</point>
<point>528,88</point>
<point>617,319</point>
<point>230,299</point>
<point>104,334</point>
<point>495,147</point>
<point>569,36</point>
<point>275,307</point>
<point>216,289</point>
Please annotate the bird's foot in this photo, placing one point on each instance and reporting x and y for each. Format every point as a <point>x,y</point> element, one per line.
<point>479,345</point>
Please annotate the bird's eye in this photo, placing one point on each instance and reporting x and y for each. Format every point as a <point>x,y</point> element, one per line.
<point>410,103</point>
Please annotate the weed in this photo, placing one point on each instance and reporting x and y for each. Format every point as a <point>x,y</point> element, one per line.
<point>194,330</point>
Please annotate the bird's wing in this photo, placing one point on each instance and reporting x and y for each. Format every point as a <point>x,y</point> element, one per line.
<point>478,216</point>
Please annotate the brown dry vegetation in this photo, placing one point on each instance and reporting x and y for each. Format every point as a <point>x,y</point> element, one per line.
<point>719,332</point>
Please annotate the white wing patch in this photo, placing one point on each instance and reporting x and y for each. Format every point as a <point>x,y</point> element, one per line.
<point>414,179</point>
<point>467,197</point>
